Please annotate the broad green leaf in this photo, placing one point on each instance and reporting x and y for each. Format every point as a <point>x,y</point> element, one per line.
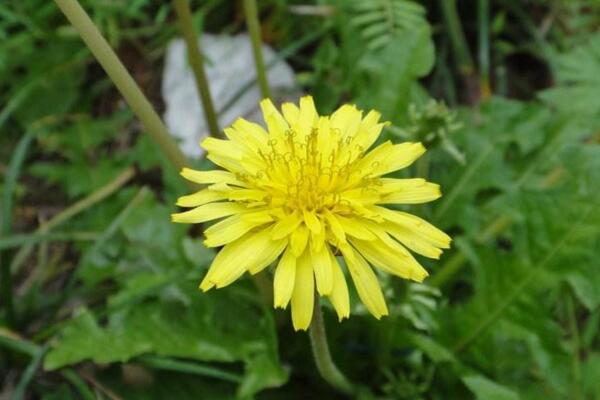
<point>214,327</point>
<point>391,72</point>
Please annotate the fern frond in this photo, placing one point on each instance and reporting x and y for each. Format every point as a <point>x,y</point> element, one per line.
<point>380,21</point>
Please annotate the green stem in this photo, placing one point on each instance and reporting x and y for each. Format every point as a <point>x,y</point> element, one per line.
<point>28,374</point>
<point>576,345</point>
<point>78,383</point>
<point>13,342</point>
<point>448,270</point>
<point>251,12</point>
<point>483,15</point>
<point>322,355</point>
<point>456,262</point>
<point>122,80</point>
<point>457,37</point>
<point>13,241</point>
<point>87,202</point>
<point>465,178</point>
<point>196,60</point>
<point>281,55</point>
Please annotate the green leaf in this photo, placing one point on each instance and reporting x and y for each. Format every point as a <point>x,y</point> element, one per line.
<point>437,352</point>
<point>591,371</point>
<point>578,80</point>
<point>485,389</point>
<point>391,72</point>
<point>585,281</point>
<point>215,327</point>
<point>56,82</point>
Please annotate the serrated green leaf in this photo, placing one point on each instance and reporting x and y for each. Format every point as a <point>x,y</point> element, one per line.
<point>214,327</point>
<point>578,80</point>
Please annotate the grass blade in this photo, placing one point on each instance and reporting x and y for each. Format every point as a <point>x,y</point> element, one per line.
<point>12,176</point>
<point>170,364</point>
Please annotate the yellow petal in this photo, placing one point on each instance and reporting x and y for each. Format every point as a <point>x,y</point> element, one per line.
<point>232,228</point>
<point>412,241</point>
<point>284,227</point>
<point>416,225</point>
<point>325,139</point>
<point>283,282</point>
<point>291,113</point>
<point>387,158</point>
<point>365,282</point>
<point>317,240</point>
<point>268,108</point>
<point>303,297</point>
<point>228,163</point>
<point>394,260</point>
<point>200,198</point>
<point>276,124</point>
<point>335,226</point>
<point>268,255</point>
<point>361,196</point>
<point>298,240</point>
<point>346,120</point>
<point>308,117</point>
<point>252,252</point>
<point>245,194</point>
<point>223,148</point>
<point>408,191</point>
<point>248,134</point>
<point>368,131</point>
<point>211,177</point>
<point>208,212</point>
<point>321,264</point>
<point>311,221</point>
<point>401,156</point>
<point>259,215</point>
<point>339,293</point>
<point>354,228</point>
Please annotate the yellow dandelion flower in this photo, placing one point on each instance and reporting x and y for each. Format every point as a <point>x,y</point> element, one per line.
<point>304,191</point>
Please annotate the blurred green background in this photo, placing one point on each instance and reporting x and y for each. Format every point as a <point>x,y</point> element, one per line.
<point>506,96</point>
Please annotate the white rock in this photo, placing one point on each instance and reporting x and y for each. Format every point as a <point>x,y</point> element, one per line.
<point>229,67</point>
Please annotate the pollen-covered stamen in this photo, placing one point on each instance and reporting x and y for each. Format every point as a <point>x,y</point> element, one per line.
<point>303,176</point>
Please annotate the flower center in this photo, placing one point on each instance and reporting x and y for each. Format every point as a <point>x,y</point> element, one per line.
<point>310,172</point>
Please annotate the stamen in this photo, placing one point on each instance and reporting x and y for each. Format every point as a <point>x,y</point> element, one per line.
<point>314,180</point>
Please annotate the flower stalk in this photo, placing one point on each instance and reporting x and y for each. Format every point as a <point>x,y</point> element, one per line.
<point>251,11</point>
<point>196,60</point>
<point>483,17</point>
<point>320,349</point>
<point>124,82</point>
<point>457,37</point>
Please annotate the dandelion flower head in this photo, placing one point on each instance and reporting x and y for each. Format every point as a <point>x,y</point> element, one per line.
<point>304,192</point>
